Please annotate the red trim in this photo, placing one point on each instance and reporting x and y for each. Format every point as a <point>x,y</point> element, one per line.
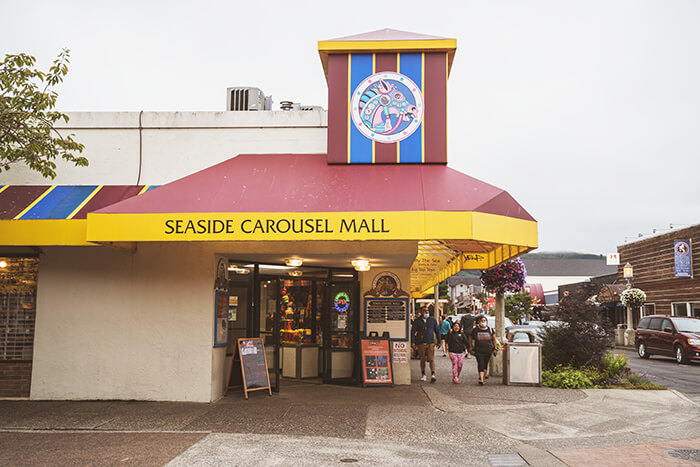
<point>435,118</point>
<point>385,153</point>
<point>338,112</point>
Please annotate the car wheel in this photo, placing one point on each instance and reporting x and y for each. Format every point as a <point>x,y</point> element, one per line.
<point>642,350</point>
<point>680,354</point>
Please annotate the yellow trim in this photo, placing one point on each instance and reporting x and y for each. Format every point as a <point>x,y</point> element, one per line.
<point>4,188</point>
<point>422,126</point>
<point>144,189</point>
<point>81,205</point>
<point>388,225</point>
<point>354,46</point>
<point>398,145</point>
<point>43,232</point>
<point>447,74</point>
<point>374,143</point>
<point>34,203</point>
<point>349,104</point>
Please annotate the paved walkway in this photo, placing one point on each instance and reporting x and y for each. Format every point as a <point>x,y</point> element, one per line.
<point>313,424</point>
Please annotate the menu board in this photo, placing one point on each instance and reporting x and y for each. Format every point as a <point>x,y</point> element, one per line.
<point>376,361</point>
<point>221,319</point>
<point>387,315</point>
<point>252,373</point>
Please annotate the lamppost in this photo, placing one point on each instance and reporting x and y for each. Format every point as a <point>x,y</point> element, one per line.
<point>628,273</point>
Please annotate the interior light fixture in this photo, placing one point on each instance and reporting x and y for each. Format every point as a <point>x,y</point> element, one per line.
<point>296,273</point>
<point>238,269</point>
<point>294,262</point>
<point>361,264</point>
<point>3,264</point>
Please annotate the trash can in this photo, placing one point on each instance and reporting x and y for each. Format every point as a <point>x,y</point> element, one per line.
<point>523,364</point>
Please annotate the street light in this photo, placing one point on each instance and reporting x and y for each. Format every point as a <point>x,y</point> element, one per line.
<point>628,273</point>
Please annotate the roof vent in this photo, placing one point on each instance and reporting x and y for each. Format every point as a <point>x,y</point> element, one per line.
<point>289,105</point>
<point>247,99</point>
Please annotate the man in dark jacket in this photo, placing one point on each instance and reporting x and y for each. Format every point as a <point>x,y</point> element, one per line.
<point>425,334</point>
<point>467,323</point>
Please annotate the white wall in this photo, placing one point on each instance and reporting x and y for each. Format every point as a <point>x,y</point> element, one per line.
<point>118,325</point>
<point>170,145</point>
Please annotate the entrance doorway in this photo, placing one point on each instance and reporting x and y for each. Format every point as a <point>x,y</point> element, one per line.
<point>307,317</point>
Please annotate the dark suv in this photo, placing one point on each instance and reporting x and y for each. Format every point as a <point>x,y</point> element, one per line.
<point>673,336</point>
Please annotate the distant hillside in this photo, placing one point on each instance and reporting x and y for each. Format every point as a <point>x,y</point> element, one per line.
<point>561,255</point>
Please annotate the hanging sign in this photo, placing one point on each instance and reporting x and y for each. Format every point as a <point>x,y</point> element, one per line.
<point>613,259</point>
<point>376,361</point>
<point>682,258</point>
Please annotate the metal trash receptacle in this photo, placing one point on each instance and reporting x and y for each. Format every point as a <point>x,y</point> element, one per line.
<point>523,364</point>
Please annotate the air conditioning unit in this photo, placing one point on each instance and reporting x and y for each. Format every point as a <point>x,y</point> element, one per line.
<point>247,99</point>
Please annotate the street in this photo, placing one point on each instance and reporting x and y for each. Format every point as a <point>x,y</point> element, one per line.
<point>683,378</point>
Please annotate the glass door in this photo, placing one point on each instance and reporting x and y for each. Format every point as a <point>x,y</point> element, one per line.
<point>268,318</point>
<point>341,326</point>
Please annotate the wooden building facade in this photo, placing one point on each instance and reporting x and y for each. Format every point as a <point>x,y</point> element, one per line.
<point>657,272</point>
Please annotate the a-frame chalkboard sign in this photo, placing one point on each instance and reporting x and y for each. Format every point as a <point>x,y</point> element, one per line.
<point>249,367</point>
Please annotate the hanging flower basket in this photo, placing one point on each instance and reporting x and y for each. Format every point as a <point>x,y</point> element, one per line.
<point>633,298</point>
<point>506,277</point>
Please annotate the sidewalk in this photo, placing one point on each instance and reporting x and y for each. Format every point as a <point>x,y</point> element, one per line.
<point>433,424</point>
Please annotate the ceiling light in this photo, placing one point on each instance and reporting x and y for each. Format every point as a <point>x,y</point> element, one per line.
<point>295,273</point>
<point>3,264</point>
<point>238,269</point>
<point>361,264</point>
<point>294,262</point>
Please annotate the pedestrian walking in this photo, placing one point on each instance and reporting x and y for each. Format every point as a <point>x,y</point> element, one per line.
<point>425,335</point>
<point>482,344</point>
<point>467,323</point>
<point>457,344</point>
<point>444,330</point>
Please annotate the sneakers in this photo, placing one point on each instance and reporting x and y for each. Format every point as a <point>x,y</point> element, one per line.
<point>455,380</point>
<point>423,378</point>
<point>433,378</point>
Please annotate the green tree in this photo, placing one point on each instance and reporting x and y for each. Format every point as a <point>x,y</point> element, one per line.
<point>517,305</point>
<point>27,118</point>
<point>443,290</point>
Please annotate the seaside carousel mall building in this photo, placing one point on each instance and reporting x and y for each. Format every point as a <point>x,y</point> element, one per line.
<point>132,278</point>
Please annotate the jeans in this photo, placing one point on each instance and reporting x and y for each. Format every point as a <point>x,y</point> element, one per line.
<point>456,364</point>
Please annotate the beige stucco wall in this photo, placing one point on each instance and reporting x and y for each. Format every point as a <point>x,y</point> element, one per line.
<point>138,324</point>
<point>154,148</point>
<point>120,325</point>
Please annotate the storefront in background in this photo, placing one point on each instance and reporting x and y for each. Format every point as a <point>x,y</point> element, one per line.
<point>142,289</point>
<point>664,267</point>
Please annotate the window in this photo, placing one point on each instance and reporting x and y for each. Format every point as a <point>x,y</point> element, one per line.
<point>649,309</point>
<point>695,309</point>
<point>644,323</point>
<point>655,324</point>
<point>679,309</point>
<point>666,324</point>
<point>17,307</point>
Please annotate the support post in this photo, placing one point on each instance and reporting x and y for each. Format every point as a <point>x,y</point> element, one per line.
<point>629,332</point>
<point>496,366</point>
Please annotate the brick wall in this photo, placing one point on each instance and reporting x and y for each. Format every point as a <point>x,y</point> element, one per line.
<point>654,269</point>
<point>15,378</point>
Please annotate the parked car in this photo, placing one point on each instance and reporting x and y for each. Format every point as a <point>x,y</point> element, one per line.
<point>673,336</point>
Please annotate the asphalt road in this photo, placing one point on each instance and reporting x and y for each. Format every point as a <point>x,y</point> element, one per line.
<point>683,378</point>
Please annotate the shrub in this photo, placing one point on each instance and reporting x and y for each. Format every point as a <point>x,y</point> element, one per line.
<point>583,339</point>
<point>615,364</point>
<point>566,378</point>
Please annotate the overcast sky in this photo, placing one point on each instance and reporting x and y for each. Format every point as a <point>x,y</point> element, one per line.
<point>587,112</point>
